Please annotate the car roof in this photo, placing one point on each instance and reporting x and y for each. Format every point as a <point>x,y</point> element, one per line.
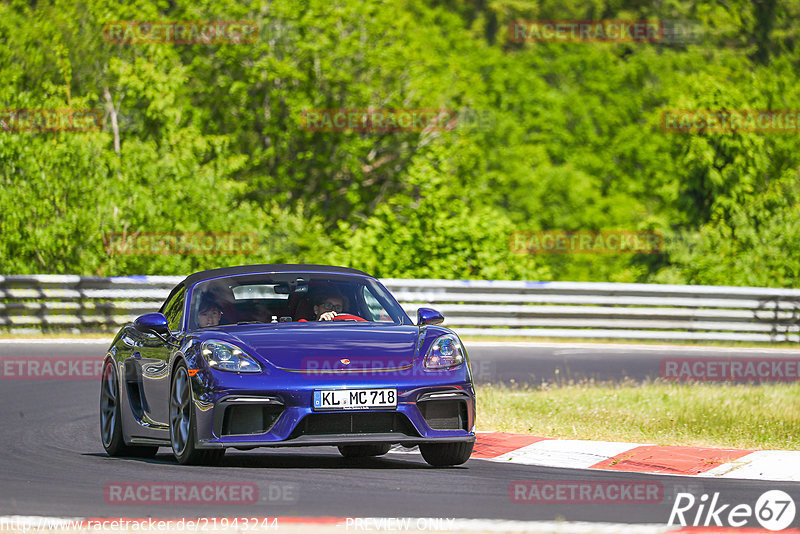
<point>268,268</point>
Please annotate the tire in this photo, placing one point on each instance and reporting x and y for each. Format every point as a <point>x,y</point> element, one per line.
<point>182,434</point>
<point>364,451</point>
<point>445,454</point>
<point>111,420</point>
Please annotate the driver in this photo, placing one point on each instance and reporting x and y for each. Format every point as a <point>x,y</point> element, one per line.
<point>209,313</point>
<point>328,303</point>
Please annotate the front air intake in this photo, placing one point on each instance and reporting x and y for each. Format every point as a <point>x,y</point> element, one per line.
<point>445,414</point>
<point>250,419</point>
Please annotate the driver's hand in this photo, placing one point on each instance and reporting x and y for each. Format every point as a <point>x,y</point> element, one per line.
<point>327,316</point>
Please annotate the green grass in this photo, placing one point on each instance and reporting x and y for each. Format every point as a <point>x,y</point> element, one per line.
<point>713,415</point>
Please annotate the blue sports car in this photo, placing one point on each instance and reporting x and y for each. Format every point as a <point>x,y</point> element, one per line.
<point>286,355</point>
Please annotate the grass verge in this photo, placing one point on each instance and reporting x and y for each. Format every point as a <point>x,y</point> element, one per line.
<point>741,416</point>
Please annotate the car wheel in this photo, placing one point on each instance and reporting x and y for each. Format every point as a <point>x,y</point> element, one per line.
<point>363,451</point>
<point>111,421</point>
<point>181,430</point>
<point>443,454</point>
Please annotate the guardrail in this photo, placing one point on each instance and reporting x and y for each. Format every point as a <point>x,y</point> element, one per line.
<point>471,307</point>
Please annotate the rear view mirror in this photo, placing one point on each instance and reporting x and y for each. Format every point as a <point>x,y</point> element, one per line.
<point>152,323</point>
<point>293,287</point>
<point>429,316</point>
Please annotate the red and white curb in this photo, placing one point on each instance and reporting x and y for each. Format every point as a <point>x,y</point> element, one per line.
<point>336,525</point>
<point>781,466</point>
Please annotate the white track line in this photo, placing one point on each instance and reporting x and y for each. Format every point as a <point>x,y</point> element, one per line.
<point>778,466</point>
<point>783,466</point>
<point>567,453</point>
<point>373,524</point>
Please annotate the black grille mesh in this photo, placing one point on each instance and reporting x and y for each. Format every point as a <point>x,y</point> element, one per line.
<point>249,419</point>
<point>444,414</point>
<point>317,424</point>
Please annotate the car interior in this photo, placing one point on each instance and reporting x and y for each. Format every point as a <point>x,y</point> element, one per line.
<point>266,303</point>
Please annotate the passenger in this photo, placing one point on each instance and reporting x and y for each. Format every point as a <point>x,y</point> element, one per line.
<point>209,313</point>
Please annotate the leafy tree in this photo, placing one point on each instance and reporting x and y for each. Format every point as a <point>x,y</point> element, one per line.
<point>210,138</point>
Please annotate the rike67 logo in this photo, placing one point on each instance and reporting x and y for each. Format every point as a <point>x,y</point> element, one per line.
<point>774,510</point>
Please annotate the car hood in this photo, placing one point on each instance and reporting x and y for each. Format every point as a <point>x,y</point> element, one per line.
<point>310,347</point>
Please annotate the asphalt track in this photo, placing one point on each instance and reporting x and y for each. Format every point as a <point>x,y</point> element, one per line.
<point>53,463</point>
<point>534,363</point>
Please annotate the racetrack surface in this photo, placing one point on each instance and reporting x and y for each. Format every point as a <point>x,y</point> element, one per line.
<point>534,363</point>
<point>54,464</point>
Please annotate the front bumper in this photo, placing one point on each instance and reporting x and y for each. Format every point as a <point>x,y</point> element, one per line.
<point>242,411</point>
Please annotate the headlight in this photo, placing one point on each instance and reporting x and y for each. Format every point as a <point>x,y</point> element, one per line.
<point>227,357</point>
<point>445,352</point>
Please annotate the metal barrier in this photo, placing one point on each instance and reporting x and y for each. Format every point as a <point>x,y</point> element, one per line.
<point>471,307</point>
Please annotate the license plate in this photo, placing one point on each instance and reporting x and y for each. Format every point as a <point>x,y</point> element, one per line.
<point>354,399</point>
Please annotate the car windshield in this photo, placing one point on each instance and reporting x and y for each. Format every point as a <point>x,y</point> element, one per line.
<point>291,298</point>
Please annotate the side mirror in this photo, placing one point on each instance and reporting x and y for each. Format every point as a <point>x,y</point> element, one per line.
<point>429,316</point>
<point>152,323</point>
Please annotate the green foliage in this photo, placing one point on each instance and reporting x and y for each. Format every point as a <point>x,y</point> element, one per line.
<point>210,138</point>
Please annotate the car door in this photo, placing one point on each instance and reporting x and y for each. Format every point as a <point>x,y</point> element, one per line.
<point>154,362</point>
